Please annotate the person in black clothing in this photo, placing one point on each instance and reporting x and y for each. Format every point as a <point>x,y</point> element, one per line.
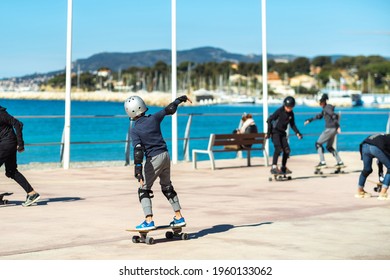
<point>332,127</point>
<point>148,142</point>
<point>374,146</point>
<point>277,126</point>
<point>11,141</point>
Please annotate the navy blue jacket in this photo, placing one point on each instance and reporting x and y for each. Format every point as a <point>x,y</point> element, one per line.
<point>147,132</point>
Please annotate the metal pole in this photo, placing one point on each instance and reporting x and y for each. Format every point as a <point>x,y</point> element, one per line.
<point>174,82</point>
<point>186,143</point>
<point>128,145</point>
<point>68,85</point>
<point>265,71</point>
<point>388,125</point>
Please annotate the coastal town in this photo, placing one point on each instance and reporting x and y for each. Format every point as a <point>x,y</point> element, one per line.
<point>237,90</point>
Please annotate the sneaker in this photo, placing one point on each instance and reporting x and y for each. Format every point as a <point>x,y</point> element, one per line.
<point>146,226</point>
<point>362,195</point>
<point>31,199</point>
<point>275,170</point>
<point>178,223</point>
<point>321,165</point>
<point>285,170</point>
<point>339,164</point>
<point>383,197</point>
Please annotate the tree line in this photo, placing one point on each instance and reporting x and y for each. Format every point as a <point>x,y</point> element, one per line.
<point>371,73</point>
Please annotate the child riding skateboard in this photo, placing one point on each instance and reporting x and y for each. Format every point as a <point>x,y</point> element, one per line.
<point>11,142</point>
<point>148,142</point>
<point>332,127</point>
<point>277,126</point>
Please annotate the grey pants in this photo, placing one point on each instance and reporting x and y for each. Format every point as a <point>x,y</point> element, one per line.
<point>158,167</point>
<point>328,136</point>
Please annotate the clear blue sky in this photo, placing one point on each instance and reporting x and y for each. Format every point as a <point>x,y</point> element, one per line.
<point>33,33</point>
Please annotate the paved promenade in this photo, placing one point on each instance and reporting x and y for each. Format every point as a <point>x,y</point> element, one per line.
<point>233,212</point>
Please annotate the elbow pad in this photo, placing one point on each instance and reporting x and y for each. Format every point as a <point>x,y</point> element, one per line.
<point>138,154</point>
<point>172,107</point>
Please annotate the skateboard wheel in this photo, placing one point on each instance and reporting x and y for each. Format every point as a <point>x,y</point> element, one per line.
<point>135,239</point>
<point>149,240</point>
<point>184,236</point>
<point>289,178</point>
<point>270,179</point>
<point>169,234</point>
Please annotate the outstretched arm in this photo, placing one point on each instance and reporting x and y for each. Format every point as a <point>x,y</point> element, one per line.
<point>172,107</point>
<point>316,117</point>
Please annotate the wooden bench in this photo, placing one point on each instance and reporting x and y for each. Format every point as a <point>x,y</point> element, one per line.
<point>233,143</point>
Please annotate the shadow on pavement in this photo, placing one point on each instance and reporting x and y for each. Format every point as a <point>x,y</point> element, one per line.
<point>221,228</point>
<point>43,201</point>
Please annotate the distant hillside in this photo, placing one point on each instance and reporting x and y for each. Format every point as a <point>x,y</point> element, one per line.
<point>116,61</point>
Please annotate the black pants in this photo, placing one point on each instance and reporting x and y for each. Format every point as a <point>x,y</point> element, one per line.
<point>8,158</point>
<point>280,145</point>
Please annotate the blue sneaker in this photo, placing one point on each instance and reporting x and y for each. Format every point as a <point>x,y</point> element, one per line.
<point>146,226</point>
<point>178,223</point>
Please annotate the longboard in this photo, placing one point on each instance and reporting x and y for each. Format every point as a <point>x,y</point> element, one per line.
<point>172,232</point>
<point>2,200</point>
<point>280,177</point>
<point>337,169</point>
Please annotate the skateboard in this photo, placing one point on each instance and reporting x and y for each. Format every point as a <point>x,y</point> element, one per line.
<point>337,169</point>
<point>378,187</point>
<point>280,177</point>
<point>172,232</point>
<point>2,200</point>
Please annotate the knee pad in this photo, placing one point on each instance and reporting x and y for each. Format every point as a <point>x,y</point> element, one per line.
<point>169,192</point>
<point>319,146</point>
<point>331,149</point>
<point>145,194</point>
<point>365,173</point>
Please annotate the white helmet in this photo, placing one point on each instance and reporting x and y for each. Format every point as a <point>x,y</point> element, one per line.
<point>135,106</point>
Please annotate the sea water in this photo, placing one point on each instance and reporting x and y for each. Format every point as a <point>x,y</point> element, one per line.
<point>99,129</point>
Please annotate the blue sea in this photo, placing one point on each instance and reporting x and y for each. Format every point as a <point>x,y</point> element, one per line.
<point>99,129</point>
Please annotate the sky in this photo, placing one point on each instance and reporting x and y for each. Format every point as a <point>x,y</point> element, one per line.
<point>33,33</point>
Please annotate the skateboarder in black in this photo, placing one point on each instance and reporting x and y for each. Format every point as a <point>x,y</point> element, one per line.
<point>277,126</point>
<point>374,146</point>
<point>11,141</point>
<point>332,127</point>
<point>148,142</point>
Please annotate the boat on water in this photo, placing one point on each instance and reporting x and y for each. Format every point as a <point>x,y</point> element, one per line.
<point>243,99</point>
<point>338,97</point>
<point>376,100</point>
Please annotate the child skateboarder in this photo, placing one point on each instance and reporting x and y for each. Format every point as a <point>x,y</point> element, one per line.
<point>277,126</point>
<point>332,127</point>
<point>11,141</point>
<point>149,143</point>
<point>374,146</point>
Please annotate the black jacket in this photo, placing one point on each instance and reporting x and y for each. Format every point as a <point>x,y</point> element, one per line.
<point>10,131</point>
<point>382,141</point>
<point>279,120</point>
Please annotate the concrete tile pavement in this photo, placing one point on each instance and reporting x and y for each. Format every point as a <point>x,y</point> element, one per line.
<point>233,212</point>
